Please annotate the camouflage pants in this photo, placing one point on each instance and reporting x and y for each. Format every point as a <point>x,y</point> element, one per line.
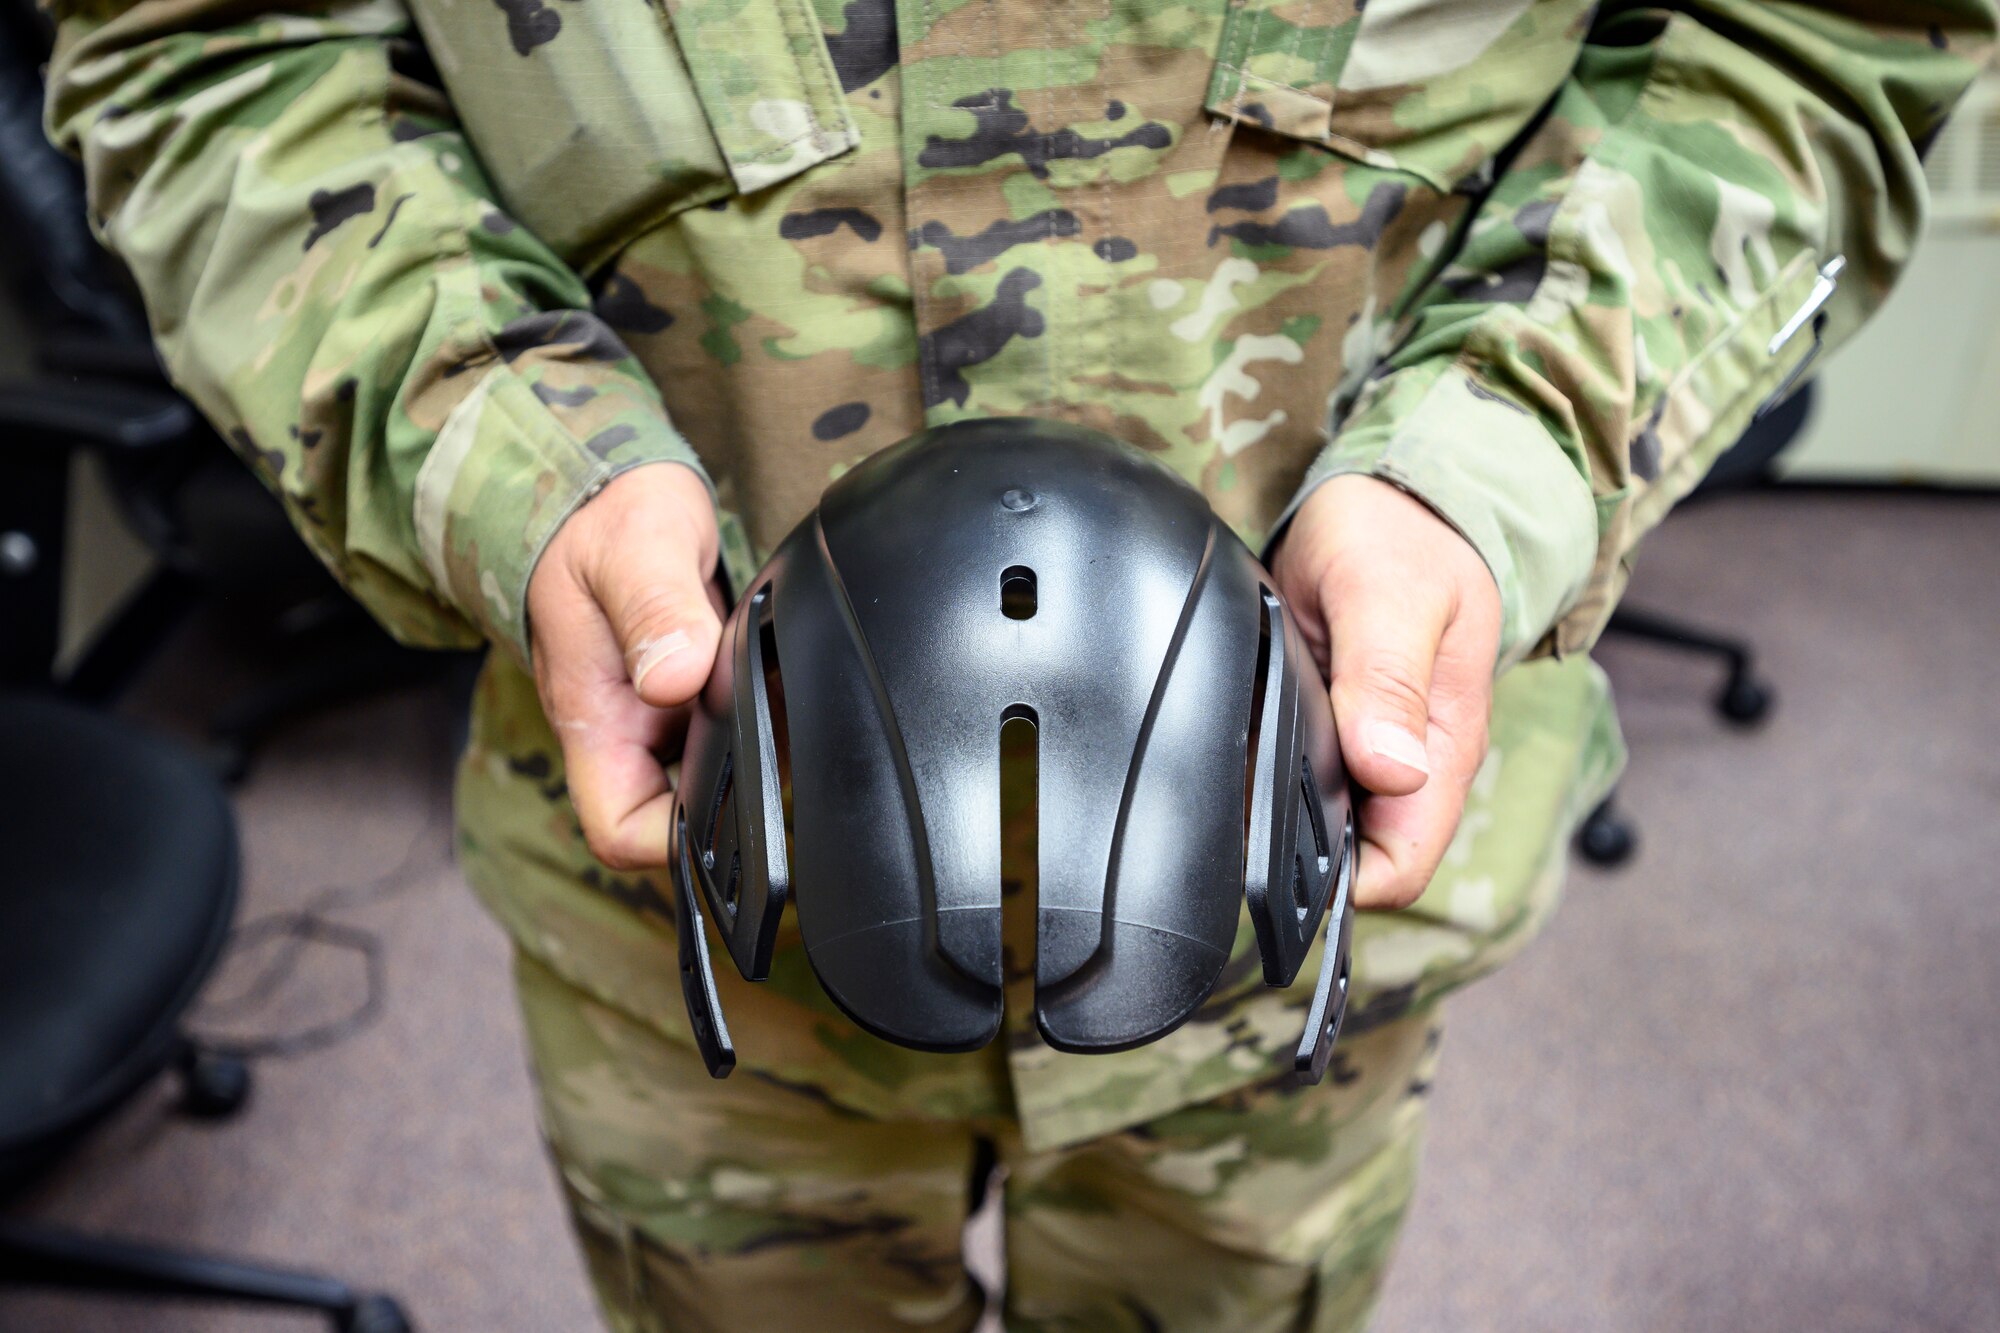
<point>751,1204</point>
<point>1176,1186</point>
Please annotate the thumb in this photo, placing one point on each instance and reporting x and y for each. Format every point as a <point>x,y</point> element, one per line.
<point>664,622</point>
<point>1382,652</point>
<point>649,575</point>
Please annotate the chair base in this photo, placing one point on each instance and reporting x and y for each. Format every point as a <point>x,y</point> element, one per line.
<point>1607,836</point>
<point>1745,698</point>
<point>214,1084</point>
<point>47,1257</point>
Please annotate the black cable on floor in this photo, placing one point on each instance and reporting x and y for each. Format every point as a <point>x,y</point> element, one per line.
<point>289,932</point>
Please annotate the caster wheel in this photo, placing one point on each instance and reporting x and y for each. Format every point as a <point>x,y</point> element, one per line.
<point>1745,700</point>
<point>1606,838</point>
<point>213,1085</point>
<point>374,1314</point>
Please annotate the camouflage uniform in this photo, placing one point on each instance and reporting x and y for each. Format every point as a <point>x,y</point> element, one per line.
<point>442,269</point>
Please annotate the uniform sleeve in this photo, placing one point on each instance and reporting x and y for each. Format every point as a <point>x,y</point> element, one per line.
<point>417,377</point>
<point>1646,272</point>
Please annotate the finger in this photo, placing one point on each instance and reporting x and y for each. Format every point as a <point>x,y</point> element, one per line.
<point>1405,837</point>
<point>1384,636</point>
<point>610,737</point>
<point>656,595</point>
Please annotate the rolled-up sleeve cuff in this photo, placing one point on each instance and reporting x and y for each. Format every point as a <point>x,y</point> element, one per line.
<point>512,461</point>
<point>1490,468</point>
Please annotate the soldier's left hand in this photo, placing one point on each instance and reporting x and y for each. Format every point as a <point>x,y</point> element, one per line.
<point>624,619</point>
<point>1404,619</point>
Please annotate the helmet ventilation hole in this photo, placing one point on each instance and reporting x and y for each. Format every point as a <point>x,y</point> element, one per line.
<point>1017,592</point>
<point>1310,875</point>
<point>1020,811</point>
<point>723,788</point>
<point>774,702</point>
<point>1315,817</point>
<point>1253,735</point>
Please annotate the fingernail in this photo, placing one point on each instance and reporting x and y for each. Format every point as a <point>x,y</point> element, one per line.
<point>651,654</point>
<point>1396,744</point>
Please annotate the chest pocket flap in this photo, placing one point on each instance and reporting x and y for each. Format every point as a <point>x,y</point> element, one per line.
<point>598,120</point>
<point>1432,87</point>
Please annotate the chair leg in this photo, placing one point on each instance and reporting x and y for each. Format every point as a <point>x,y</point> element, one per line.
<point>215,1084</point>
<point>1745,698</point>
<point>45,1257</point>
<point>1606,836</point>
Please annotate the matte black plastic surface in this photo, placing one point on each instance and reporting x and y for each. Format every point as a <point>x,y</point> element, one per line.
<point>118,865</point>
<point>1186,758</point>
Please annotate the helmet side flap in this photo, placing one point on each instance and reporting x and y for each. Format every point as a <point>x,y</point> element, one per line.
<point>1309,867</point>
<point>1323,829</point>
<point>731,799</point>
<point>1284,852</point>
<point>704,838</point>
<point>704,1002</point>
<point>1300,802</point>
<point>1328,1006</point>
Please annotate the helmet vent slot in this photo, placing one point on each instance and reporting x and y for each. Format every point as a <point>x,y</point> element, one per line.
<point>1259,686</point>
<point>1020,810</point>
<point>715,809</point>
<point>1311,860</point>
<point>1017,592</point>
<point>733,886</point>
<point>1315,816</point>
<point>774,704</point>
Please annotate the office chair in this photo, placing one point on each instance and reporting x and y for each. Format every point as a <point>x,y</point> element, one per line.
<point>216,534</point>
<point>118,878</point>
<point>1607,836</point>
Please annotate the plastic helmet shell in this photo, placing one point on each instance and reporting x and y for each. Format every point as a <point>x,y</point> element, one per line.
<point>1186,760</point>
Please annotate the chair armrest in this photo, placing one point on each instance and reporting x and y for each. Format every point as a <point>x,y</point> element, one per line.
<point>92,414</point>
<point>99,356</point>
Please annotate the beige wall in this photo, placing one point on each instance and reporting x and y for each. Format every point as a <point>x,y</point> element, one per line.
<point>1916,396</point>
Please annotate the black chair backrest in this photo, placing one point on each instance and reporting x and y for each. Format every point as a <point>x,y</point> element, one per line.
<point>42,206</point>
<point>1749,460</point>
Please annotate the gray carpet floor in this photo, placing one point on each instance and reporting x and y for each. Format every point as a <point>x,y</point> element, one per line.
<point>1748,1082</point>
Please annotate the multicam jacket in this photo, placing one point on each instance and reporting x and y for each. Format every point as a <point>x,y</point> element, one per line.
<point>441,268</point>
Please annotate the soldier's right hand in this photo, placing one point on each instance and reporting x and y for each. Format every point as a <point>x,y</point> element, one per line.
<point>623,621</point>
